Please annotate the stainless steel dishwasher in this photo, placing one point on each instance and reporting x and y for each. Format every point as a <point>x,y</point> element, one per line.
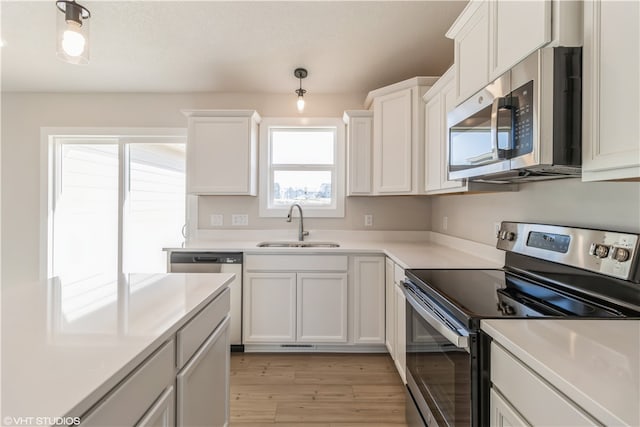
<point>216,262</point>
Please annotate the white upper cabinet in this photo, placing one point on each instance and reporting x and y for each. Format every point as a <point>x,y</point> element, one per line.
<point>490,37</point>
<point>398,136</point>
<point>440,99</point>
<point>222,152</point>
<point>359,151</point>
<point>517,29</point>
<point>471,49</point>
<point>392,142</point>
<point>611,84</point>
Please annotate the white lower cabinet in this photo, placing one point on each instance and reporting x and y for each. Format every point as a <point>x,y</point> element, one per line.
<point>502,414</point>
<point>527,399</point>
<point>269,308</point>
<point>162,413</point>
<point>395,321</point>
<point>401,333</point>
<point>127,404</point>
<point>203,384</point>
<point>302,300</point>
<point>390,308</point>
<point>185,382</point>
<point>322,307</point>
<point>368,301</point>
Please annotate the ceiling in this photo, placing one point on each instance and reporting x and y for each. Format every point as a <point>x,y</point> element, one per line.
<point>233,46</point>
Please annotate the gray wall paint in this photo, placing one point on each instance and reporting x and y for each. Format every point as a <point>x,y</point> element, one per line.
<point>389,213</point>
<point>607,205</point>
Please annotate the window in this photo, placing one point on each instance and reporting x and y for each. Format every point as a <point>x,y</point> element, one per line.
<point>302,161</point>
<point>115,202</point>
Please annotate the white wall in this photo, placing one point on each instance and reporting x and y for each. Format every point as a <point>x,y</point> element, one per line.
<point>23,115</point>
<point>606,205</point>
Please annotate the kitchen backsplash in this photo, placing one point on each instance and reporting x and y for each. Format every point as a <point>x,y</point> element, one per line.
<point>389,213</point>
<point>606,205</point>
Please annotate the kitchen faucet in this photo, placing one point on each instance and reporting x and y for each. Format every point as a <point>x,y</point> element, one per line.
<point>301,232</point>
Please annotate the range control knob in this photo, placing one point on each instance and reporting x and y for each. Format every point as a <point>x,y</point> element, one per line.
<point>620,254</point>
<point>599,251</point>
<point>506,235</point>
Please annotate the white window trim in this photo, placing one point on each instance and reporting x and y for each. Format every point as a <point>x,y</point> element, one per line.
<point>48,137</point>
<point>264,193</point>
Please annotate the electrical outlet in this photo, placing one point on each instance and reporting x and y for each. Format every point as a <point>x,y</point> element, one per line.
<point>368,220</point>
<point>239,219</point>
<point>496,228</point>
<point>216,220</point>
<point>445,222</point>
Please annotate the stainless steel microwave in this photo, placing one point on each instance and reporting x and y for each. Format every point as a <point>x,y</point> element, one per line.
<point>525,125</point>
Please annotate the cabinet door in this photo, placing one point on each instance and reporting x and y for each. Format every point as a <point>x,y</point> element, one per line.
<point>162,413</point>
<point>359,141</point>
<point>369,293</point>
<point>203,384</point>
<point>502,414</point>
<point>269,309</point>
<point>401,333</point>
<point>611,130</point>
<point>448,103</point>
<point>221,156</point>
<point>390,308</point>
<point>322,307</point>
<point>517,29</point>
<point>433,143</point>
<point>471,54</point>
<point>392,142</point>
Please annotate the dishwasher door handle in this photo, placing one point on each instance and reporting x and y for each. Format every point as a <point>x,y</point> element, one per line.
<point>206,259</point>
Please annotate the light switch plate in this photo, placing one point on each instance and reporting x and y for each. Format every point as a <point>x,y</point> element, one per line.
<point>239,219</point>
<point>216,220</point>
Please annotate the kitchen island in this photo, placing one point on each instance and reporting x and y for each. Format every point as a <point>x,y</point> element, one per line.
<point>568,370</point>
<point>67,345</point>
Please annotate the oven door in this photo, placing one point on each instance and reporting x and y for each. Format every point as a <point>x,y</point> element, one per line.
<point>439,365</point>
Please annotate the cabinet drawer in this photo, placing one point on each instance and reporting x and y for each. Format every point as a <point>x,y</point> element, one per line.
<point>193,334</point>
<point>296,262</point>
<point>538,402</point>
<point>128,402</point>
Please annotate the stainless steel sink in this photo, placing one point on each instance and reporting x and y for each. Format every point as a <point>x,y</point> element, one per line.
<point>296,244</point>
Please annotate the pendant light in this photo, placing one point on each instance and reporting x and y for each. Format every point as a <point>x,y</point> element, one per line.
<point>73,32</point>
<point>300,73</point>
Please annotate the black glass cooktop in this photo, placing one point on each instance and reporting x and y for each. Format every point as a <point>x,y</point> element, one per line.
<point>473,294</point>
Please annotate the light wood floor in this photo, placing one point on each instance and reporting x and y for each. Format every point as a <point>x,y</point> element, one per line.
<point>317,390</point>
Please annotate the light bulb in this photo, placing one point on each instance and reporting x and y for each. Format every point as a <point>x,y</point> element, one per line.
<point>300,104</point>
<point>73,42</point>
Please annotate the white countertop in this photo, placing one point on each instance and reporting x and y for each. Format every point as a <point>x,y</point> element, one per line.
<point>65,345</point>
<point>441,252</point>
<point>596,363</point>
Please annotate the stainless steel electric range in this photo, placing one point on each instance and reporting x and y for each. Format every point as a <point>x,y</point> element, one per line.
<point>550,271</point>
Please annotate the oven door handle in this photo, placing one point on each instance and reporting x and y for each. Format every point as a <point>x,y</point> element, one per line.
<point>460,341</point>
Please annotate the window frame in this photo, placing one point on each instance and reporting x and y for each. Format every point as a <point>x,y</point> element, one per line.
<point>265,195</point>
<point>52,137</point>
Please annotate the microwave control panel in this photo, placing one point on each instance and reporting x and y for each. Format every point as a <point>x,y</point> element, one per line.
<point>522,113</point>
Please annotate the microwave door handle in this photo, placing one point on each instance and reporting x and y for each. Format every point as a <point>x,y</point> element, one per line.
<point>498,104</point>
<point>454,338</point>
